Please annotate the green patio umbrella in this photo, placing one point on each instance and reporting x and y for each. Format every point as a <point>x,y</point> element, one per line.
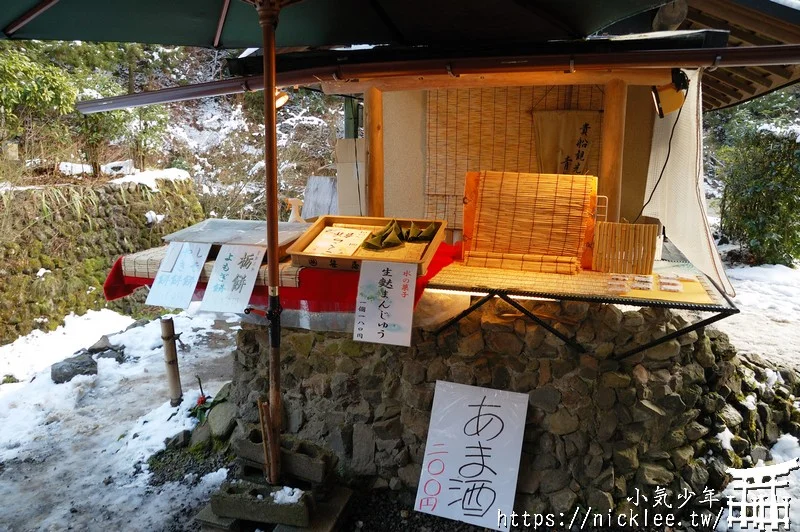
<point>305,26</point>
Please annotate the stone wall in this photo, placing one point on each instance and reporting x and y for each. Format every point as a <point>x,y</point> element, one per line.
<point>77,232</point>
<point>597,427</point>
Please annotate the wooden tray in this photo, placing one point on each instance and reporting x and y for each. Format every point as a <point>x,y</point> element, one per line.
<point>419,253</point>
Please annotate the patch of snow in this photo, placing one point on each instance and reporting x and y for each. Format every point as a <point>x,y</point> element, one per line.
<point>150,177</point>
<point>119,167</point>
<point>769,322</point>
<point>74,454</point>
<point>725,438</point>
<point>153,218</point>
<point>28,355</point>
<point>287,495</point>
<point>74,168</point>
<point>42,272</point>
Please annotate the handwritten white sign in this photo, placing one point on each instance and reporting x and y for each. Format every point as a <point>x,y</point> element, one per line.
<point>337,241</point>
<point>469,472</point>
<point>385,303</point>
<point>177,275</point>
<point>233,278</point>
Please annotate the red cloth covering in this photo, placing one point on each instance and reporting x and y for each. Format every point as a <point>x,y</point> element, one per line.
<point>320,290</point>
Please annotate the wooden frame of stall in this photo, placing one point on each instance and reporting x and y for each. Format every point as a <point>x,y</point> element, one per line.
<point>615,82</point>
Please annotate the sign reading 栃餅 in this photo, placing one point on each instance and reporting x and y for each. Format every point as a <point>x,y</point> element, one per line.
<point>177,275</point>
<point>469,472</point>
<point>233,278</point>
<point>385,303</point>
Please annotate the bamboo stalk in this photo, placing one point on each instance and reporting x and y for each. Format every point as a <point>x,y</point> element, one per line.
<point>266,439</point>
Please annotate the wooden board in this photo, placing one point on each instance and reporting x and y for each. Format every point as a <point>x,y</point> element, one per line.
<point>420,253</point>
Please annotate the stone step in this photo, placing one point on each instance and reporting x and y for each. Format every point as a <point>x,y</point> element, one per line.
<point>327,516</point>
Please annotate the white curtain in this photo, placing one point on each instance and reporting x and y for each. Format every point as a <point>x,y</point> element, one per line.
<point>679,201</point>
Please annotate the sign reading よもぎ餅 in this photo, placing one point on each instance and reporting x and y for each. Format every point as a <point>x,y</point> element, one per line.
<point>233,278</point>
<point>469,472</point>
<point>177,276</point>
<point>385,302</point>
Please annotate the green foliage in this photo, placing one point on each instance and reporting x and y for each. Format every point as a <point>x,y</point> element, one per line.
<point>95,131</point>
<point>145,132</point>
<point>761,203</point>
<point>727,126</point>
<point>30,89</point>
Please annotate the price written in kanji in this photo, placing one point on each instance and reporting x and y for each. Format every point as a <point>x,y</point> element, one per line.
<point>233,278</point>
<point>385,303</point>
<point>471,461</point>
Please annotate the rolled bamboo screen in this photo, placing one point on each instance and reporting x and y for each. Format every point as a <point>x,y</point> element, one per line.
<point>533,222</point>
<point>624,248</point>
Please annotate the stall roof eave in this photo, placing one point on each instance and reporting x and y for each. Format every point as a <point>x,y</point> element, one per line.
<point>751,24</point>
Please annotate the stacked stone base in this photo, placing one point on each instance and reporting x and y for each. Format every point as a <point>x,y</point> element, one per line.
<point>597,429</point>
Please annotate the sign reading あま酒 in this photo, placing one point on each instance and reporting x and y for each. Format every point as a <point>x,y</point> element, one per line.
<point>469,472</point>
<point>385,302</point>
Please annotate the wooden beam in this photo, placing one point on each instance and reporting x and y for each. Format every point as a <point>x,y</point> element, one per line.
<point>730,80</point>
<point>724,98</point>
<point>640,76</point>
<point>223,15</point>
<point>703,19</point>
<point>751,75</point>
<point>373,106</point>
<point>724,89</point>
<point>751,19</point>
<point>779,71</point>
<point>713,102</point>
<point>28,16</point>
<point>610,179</point>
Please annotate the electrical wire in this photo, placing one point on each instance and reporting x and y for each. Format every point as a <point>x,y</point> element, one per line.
<point>358,177</point>
<point>663,168</point>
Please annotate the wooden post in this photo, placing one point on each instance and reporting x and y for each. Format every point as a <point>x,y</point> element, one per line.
<point>268,11</point>
<point>373,106</point>
<point>610,182</point>
<point>171,360</point>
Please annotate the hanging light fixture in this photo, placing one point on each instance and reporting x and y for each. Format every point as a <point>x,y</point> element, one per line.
<point>280,98</point>
<point>670,97</point>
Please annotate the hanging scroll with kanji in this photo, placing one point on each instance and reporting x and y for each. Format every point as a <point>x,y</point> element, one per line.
<point>568,142</point>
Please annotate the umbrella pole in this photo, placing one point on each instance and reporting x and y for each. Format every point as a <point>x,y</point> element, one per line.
<point>268,19</point>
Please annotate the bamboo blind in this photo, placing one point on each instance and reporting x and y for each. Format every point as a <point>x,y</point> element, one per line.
<point>624,248</point>
<point>531,222</point>
<point>489,129</point>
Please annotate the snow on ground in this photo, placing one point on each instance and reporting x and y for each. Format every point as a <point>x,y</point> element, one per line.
<point>149,177</point>
<point>30,354</point>
<point>769,322</point>
<point>73,455</point>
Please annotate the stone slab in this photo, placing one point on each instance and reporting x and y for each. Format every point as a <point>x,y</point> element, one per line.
<point>250,501</point>
<point>327,516</point>
<point>211,522</point>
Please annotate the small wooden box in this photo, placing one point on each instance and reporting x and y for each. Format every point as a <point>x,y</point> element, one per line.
<point>419,253</point>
